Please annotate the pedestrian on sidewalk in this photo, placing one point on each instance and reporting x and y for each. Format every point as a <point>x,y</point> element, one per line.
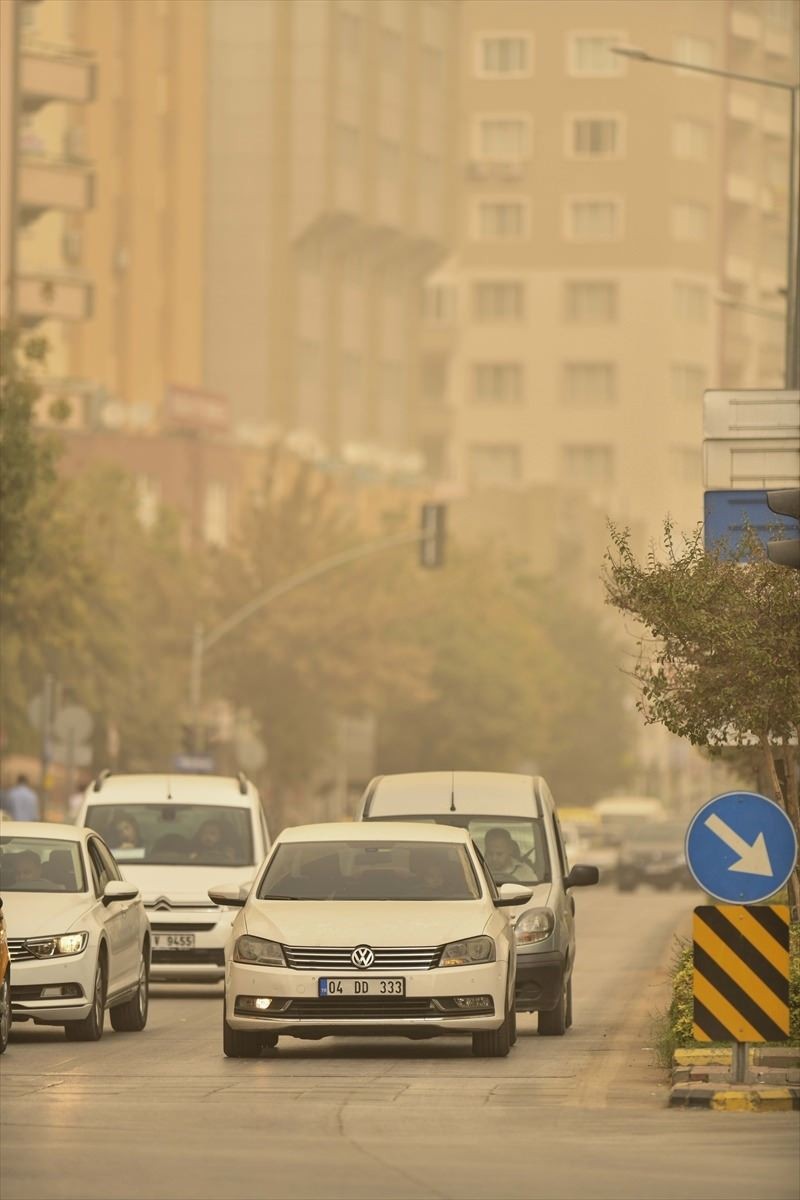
<point>21,801</point>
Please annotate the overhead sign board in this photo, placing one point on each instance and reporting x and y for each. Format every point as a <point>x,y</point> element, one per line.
<point>751,414</point>
<point>751,439</point>
<point>741,973</point>
<point>726,516</point>
<point>741,848</point>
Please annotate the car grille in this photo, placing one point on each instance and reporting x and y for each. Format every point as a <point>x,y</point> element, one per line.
<point>387,958</point>
<point>360,1008</point>
<point>18,950</point>
<point>181,926</point>
<point>164,904</point>
<point>206,958</point>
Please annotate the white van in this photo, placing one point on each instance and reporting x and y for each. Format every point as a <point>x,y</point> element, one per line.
<point>175,836</point>
<point>514,827</point>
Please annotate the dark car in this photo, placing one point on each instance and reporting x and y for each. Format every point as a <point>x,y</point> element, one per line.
<point>653,853</point>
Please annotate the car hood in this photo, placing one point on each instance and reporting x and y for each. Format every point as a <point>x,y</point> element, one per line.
<point>183,885</point>
<point>376,923</point>
<point>37,914</point>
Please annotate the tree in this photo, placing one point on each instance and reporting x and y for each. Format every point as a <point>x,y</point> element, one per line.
<point>721,664</point>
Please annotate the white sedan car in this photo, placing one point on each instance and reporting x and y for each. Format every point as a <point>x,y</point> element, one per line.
<point>370,929</point>
<point>78,934</point>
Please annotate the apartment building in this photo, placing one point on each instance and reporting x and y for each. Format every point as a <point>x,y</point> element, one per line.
<point>622,245</point>
<point>330,195</point>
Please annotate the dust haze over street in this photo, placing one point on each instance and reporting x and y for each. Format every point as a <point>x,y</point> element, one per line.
<point>164,1114</point>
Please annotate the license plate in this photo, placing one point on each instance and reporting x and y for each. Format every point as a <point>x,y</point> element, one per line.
<point>330,988</point>
<point>173,941</point>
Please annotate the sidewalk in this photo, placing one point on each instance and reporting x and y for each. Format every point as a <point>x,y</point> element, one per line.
<point>701,1079</point>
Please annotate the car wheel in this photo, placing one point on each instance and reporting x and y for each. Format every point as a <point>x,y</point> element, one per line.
<point>626,885</point>
<point>568,1020</point>
<point>512,1016</point>
<point>5,1011</point>
<point>241,1043</point>
<point>493,1043</point>
<point>554,1022</point>
<point>90,1029</point>
<point>131,1016</point>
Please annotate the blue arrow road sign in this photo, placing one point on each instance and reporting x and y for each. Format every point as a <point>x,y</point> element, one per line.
<point>741,848</point>
<point>727,514</point>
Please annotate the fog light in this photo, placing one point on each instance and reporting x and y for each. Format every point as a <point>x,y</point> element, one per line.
<point>473,1001</point>
<point>61,991</point>
<point>253,1003</point>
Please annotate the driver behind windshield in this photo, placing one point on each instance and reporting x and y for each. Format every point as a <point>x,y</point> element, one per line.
<point>502,856</point>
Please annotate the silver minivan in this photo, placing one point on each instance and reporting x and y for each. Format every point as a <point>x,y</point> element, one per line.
<point>513,823</point>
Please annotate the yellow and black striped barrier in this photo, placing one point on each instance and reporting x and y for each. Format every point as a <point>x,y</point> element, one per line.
<point>741,972</point>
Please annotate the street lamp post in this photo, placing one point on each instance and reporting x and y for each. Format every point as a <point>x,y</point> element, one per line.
<point>793,237</point>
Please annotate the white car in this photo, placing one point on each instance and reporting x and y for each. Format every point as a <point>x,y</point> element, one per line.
<point>362,929</point>
<point>175,836</point>
<point>78,935</point>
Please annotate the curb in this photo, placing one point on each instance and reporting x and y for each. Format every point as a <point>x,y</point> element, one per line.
<point>754,1099</point>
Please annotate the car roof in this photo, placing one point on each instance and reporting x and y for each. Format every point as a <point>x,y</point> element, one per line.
<point>358,831</point>
<point>160,789</point>
<point>489,793</point>
<point>54,831</point>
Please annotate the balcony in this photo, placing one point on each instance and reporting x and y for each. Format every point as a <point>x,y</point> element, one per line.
<point>48,74</point>
<point>41,297</point>
<point>47,183</point>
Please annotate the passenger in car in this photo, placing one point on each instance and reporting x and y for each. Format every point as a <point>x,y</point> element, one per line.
<point>29,877</point>
<point>502,855</point>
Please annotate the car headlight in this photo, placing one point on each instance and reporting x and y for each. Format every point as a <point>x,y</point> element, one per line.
<point>468,953</point>
<point>535,925</point>
<point>57,946</point>
<point>264,953</point>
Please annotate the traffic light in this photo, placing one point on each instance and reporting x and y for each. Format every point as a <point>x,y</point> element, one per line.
<point>786,503</point>
<point>432,535</point>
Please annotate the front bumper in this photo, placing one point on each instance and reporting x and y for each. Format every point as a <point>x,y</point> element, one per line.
<point>28,978</point>
<point>540,981</point>
<point>204,962</point>
<point>427,1009</point>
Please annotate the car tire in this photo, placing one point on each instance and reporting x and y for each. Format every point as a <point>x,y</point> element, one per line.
<point>241,1043</point>
<point>512,1016</point>
<point>568,1019</point>
<point>626,885</point>
<point>5,1011</point>
<point>90,1029</point>
<point>131,1017</point>
<point>493,1043</point>
<point>553,1023</point>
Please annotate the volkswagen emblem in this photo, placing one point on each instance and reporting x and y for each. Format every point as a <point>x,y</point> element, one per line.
<point>362,957</point>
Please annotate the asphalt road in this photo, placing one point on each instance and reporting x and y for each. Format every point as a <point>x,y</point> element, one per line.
<point>162,1114</point>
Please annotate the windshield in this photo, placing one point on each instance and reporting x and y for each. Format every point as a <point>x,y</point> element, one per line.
<point>33,864</point>
<point>514,848</point>
<point>361,870</point>
<point>179,834</point>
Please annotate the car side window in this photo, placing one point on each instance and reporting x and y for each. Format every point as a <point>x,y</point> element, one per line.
<point>562,854</point>
<point>100,873</point>
<point>493,892</point>
<point>108,859</point>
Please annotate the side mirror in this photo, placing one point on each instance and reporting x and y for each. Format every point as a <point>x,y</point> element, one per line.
<point>228,897</point>
<point>117,890</point>
<point>512,894</point>
<point>582,876</point>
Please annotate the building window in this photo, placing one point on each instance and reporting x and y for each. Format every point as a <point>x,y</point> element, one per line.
<point>589,54</point>
<point>595,137</point>
<point>693,50</point>
<point>215,514</point>
<point>495,465</point>
<point>502,139</point>
<point>592,301</point>
<point>690,302</point>
<point>590,383</point>
<point>686,464</point>
<point>501,220</point>
<point>594,219</point>
<point>498,300</point>
<point>688,382</point>
<point>504,55</point>
<point>689,222</point>
<point>779,14</point>
<point>691,140</point>
<point>588,463</point>
<point>498,382</point>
